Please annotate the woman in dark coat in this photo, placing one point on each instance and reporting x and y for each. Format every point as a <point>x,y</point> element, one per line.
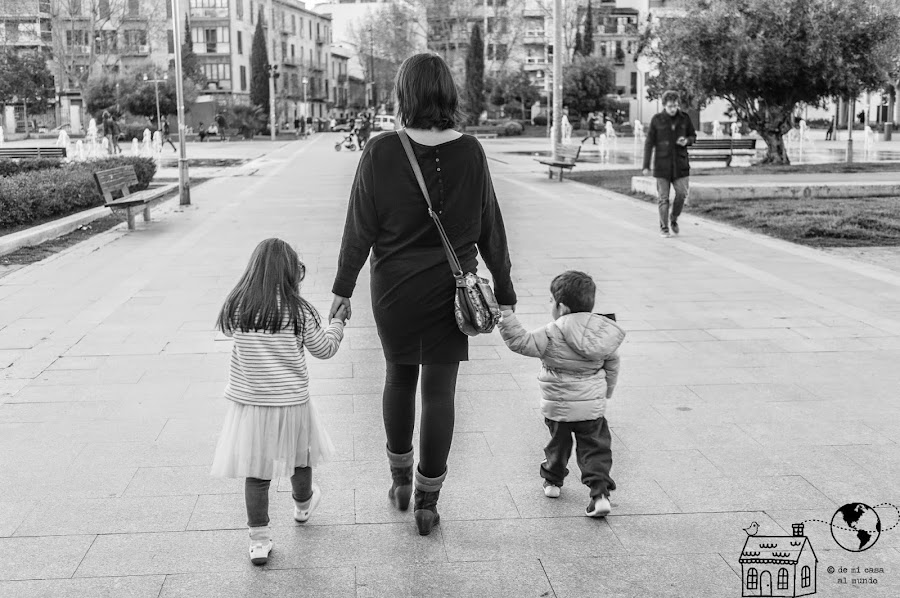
<point>412,285</point>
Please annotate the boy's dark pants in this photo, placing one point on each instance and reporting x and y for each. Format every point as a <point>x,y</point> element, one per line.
<point>592,453</point>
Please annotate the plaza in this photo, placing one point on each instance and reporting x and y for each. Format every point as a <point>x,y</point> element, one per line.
<point>758,384</point>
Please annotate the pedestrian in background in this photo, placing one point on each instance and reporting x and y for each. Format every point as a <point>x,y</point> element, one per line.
<point>271,425</point>
<point>671,132</point>
<point>166,133</point>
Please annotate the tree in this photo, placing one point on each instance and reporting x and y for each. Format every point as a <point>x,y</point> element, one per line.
<point>475,76</point>
<point>579,46</point>
<point>519,91</point>
<point>586,84</point>
<point>587,41</point>
<point>190,64</point>
<point>100,93</point>
<point>24,78</point>
<point>766,57</point>
<point>259,67</point>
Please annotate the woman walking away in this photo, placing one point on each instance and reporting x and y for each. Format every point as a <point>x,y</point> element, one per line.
<point>412,286</point>
<point>271,427</point>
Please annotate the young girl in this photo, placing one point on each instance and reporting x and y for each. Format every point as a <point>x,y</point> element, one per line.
<point>271,427</point>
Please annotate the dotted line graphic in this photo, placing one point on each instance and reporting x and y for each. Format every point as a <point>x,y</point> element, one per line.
<point>850,529</point>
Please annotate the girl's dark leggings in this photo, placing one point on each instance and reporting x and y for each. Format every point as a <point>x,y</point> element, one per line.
<point>256,495</point>
<point>399,411</point>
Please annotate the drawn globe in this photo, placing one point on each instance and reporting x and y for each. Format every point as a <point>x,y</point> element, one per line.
<point>855,527</point>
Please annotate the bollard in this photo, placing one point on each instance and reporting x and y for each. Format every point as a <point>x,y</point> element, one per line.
<point>887,130</point>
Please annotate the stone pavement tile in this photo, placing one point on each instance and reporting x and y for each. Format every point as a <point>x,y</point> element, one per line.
<point>488,382</point>
<point>92,362</point>
<point>98,392</point>
<point>103,375</point>
<point>674,375</point>
<point>146,454</point>
<point>458,502</point>
<point>41,558</point>
<point>336,405</point>
<point>859,486</point>
<point>638,437</point>
<point>625,576</point>
<point>108,516</point>
<point>631,497</point>
<point>9,356</point>
<point>66,482</point>
<point>653,395</point>
<point>334,582</point>
<point>887,560</point>
<point>745,494</point>
<point>165,553</point>
<point>687,464</point>
<point>800,431</point>
<point>525,579</point>
<point>746,334</point>
<point>816,525</point>
<point>739,462</point>
<point>657,535</point>
<point>846,345</point>
<point>520,539</point>
<point>70,412</point>
<point>85,431</point>
<point>229,511</point>
<point>12,514</point>
<point>97,587</point>
<point>754,393</point>
<point>179,481</point>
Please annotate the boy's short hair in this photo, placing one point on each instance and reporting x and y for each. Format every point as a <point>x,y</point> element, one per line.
<point>575,289</point>
<point>670,96</point>
<point>426,93</point>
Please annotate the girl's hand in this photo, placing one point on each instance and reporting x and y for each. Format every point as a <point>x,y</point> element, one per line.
<point>338,303</point>
<point>341,313</point>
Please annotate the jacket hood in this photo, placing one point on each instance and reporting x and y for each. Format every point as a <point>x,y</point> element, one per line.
<point>590,335</point>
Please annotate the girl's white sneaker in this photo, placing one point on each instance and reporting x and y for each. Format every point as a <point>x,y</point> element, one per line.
<point>550,490</point>
<point>260,545</point>
<point>302,510</point>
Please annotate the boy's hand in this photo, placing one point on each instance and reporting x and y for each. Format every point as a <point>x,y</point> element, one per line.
<point>646,172</point>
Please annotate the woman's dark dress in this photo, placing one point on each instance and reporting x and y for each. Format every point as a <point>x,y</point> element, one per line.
<point>411,282</point>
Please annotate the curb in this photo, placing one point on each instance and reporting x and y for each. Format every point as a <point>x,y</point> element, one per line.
<point>63,226</point>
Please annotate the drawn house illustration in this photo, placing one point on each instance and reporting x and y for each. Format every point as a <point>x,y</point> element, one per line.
<point>779,565</point>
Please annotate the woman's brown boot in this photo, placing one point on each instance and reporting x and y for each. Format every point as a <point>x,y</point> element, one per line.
<point>428,490</point>
<point>402,475</point>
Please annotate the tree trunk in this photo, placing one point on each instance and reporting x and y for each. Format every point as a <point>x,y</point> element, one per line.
<point>776,152</point>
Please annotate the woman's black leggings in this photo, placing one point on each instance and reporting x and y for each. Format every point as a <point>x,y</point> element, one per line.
<point>399,410</point>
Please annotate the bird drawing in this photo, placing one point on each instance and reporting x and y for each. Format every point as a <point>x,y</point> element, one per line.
<point>752,529</point>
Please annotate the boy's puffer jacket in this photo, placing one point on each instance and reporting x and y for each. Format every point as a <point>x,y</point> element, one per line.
<point>580,363</point>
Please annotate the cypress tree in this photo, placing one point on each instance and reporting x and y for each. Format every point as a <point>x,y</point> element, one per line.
<point>259,67</point>
<point>578,45</point>
<point>475,75</point>
<point>190,64</point>
<point>587,42</point>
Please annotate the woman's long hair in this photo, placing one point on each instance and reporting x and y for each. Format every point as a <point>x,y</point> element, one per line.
<point>267,297</point>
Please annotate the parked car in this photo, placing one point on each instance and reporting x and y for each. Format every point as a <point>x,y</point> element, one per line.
<point>343,127</point>
<point>383,122</point>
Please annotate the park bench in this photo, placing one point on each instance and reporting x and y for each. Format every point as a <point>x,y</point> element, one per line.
<point>119,179</point>
<point>722,149</point>
<point>483,132</point>
<point>20,153</point>
<point>564,158</point>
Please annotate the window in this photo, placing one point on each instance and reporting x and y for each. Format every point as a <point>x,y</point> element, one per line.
<point>104,9</point>
<point>74,8</point>
<point>782,579</point>
<point>634,84</point>
<point>209,3</point>
<point>218,73</point>
<point>170,41</point>
<point>106,42</point>
<point>44,5</point>
<point>243,78</point>
<point>239,9</point>
<point>292,51</point>
<point>294,24</point>
<point>804,576</point>
<point>211,40</point>
<point>252,14</point>
<point>135,38</point>
<point>134,8</point>
<point>752,578</point>
<point>240,42</point>
<point>169,11</point>
<point>78,37</point>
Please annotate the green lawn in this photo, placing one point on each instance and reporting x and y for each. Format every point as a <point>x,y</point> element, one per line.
<point>864,222</point>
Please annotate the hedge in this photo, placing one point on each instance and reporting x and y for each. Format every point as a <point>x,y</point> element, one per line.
<point>11,167</point>
<point>55,192</point>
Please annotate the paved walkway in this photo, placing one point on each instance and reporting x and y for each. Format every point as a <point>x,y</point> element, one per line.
<point>759,383</point>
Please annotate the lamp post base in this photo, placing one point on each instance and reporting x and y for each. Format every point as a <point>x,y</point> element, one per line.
<point>184,182</point>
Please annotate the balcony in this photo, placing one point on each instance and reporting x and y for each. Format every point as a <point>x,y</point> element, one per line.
<point>320,40</point>
<point>317,68</point>
<point>209,13</point>
<point>535,36</point>
<point>136,50</point>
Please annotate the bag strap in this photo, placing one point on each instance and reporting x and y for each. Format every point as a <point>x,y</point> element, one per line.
<point>448,249</point>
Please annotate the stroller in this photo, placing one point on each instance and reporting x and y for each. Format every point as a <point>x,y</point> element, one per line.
<point>346,142</point>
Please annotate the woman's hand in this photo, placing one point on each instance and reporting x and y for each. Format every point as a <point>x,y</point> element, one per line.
<point>336,305</point>
<point>511,308</point>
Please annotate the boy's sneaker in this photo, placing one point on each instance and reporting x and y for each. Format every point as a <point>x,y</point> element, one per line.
<point>598,507</point>
<point>551,490</point>
<point>302,510</point>
<point>674,226</point>
<point>260,545</point>
<point>665,234</point>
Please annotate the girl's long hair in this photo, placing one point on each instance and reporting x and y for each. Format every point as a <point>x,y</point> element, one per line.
<point>267,297</point>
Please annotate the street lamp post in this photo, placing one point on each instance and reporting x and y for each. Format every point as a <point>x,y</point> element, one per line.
<point>184,188</point>
<point>156,83</point>
<point>372,67</point>
<point>272,71</point>
<point>305,82</point>
<point>558,54</point>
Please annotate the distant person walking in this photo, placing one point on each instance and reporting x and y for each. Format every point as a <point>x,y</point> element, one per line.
<point>166,132</point>
<point>114,131</point>
<point>592,128</point>
<point>220,123</point>
<point>829,134</point>
<point>671,132</point>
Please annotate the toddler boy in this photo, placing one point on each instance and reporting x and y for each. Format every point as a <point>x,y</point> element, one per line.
<point>579,369</point>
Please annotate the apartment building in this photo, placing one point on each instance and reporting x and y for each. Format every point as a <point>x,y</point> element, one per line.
<point>81,38</point>
<point>300,40</point>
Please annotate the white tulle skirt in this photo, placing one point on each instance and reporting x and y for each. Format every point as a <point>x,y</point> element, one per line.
<point>267,442</point>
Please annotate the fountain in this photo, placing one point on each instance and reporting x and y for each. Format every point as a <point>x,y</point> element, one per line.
<point>638,130</point>
<point>147,144</point>
<point>104,143</point>
<point>1,135</point>
<point>79,151</point>
<point>63,139</point>
<point>736,129</point>
<point>868,138</point>
<point>716,130</point>
<point>135,146</point>
<point>610,130</point>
